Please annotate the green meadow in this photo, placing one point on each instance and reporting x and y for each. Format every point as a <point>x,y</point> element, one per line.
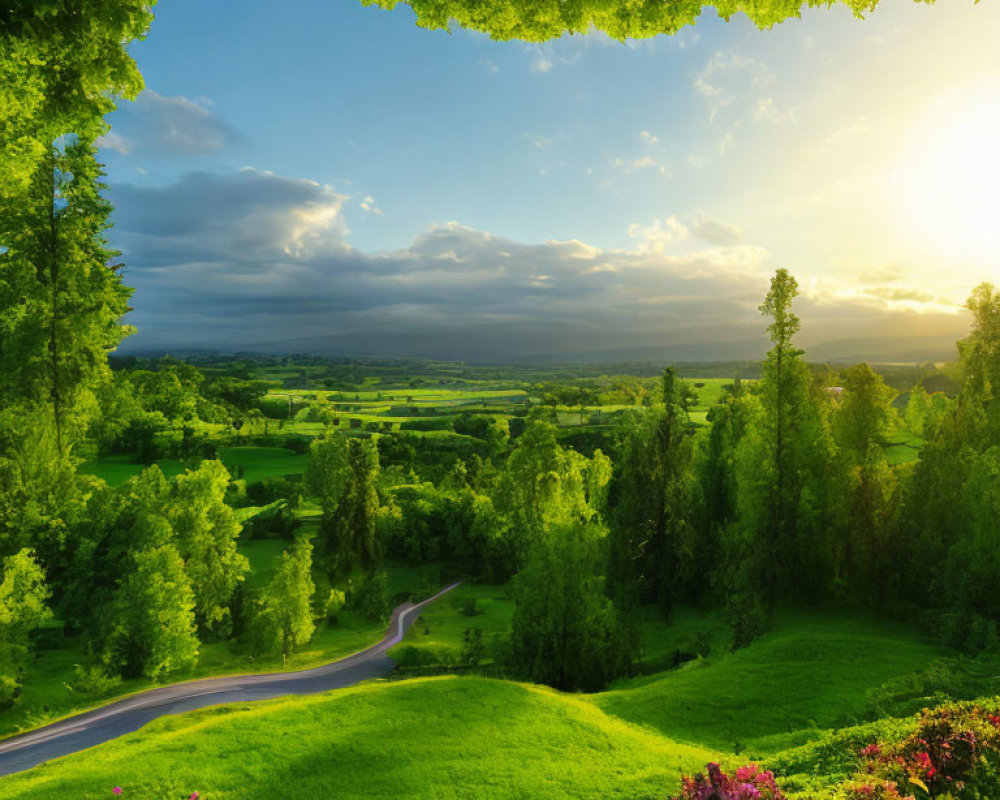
<point>458,737</point>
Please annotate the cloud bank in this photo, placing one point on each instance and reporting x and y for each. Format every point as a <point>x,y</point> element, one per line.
<point>250,259</point>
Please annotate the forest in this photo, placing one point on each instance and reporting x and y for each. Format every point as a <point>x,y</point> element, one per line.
<point>171,516</point>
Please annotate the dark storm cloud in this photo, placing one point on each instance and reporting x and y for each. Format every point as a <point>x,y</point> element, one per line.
<point>247,258</point>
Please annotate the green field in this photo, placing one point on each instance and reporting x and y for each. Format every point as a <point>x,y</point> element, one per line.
<point>436,638</point>
<point>117,469</point>
<point>256,463</point>
<point>459,737</point>
<point>444,738</point>
<point>810,672</point>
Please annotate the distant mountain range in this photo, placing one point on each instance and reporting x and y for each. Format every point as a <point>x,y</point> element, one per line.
<point>905,349</point>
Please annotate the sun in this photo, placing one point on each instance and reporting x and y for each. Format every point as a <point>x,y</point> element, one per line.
<point>948,179</point>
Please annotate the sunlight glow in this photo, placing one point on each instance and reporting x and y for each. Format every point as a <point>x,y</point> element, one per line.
<point>949,177</point>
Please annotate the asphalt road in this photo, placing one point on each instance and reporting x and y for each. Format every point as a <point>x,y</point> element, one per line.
<point>108,722</point>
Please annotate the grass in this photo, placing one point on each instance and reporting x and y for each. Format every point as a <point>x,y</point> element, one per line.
<point>710,391</point>
<point>464,737</point>
<point>258,463</point>
<point>442,738</point>
<point>119,468</point>
<point>809,673</point>
<point>436,637</point>
<point>47,695</point>
<point>904,448</point>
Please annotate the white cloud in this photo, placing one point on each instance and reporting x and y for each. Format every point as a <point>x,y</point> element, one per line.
<point>717,233</point>
<point>113,141</point>
<point>655,238</point>
<point>641,163</point>
<point>368,204</point>
<point>541,64</point>
<point>165,125</point>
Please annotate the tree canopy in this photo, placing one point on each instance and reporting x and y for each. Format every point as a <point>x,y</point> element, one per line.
<point>541,20</point>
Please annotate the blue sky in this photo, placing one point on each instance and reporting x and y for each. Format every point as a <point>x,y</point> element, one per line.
<point>322,170</point>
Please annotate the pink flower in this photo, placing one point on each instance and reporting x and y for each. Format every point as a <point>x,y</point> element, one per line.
<point>194,796</point>
<point>116,790</point>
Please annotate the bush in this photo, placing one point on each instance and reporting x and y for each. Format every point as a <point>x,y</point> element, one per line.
<point>749,782</point>
<point>266,491</point>
<point>370,596</point>
<point>954,752</point>
<point>427,424</point>
<point>469,607</point>
<point>473,649</point>
<point>91,679</point>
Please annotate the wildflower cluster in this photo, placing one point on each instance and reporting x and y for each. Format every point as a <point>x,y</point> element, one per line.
<point>749,782</point>
<point>953,753</point>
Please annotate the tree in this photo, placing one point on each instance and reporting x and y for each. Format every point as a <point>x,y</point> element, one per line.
<point>347,536</point>
<point>917,407</point>
<point>798,452</point>
<point>206,531</point>
<point>327,470</point>
<point>541,20</point>
<point>542,485</point>
<point>150,625</point>
<point>284,620</point>
<point>871,554</point>
<point>23,596</point>
<point>865,415</point>
<point>564,632</point>
<point>654,494</point>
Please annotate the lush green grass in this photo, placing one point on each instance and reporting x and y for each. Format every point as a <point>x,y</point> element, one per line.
<point>402,395</point>
<point>47,695</point>
<point>904,447</point>
<point>809,673</point>
<point>258,463</point>
<point>472,737</point>
<point>442,738</point>
<point>119,468</point>
<point>710,391</point>
<point>436,638</point>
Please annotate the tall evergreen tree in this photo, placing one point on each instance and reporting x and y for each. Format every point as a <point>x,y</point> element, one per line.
<point>348,534</point>
<point>653,535</point>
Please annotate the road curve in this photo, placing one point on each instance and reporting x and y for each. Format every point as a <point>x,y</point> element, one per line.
<point>123,716</point>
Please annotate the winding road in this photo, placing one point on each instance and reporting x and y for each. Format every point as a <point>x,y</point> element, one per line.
<point>123,716</point>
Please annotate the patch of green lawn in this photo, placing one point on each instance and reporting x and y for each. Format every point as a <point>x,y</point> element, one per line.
<point>436,637</point>
<point>810,672</point>
<point>258,463</point>
<point>443,738</point>
<point>117,469</point>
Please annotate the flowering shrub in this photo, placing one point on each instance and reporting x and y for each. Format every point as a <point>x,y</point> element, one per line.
<point>953,753</point>
<point>749,782</point>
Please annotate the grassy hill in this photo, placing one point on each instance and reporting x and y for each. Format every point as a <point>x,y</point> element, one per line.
<point>810,672</point>
<point>463,737</point>
<point>442,738</point>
